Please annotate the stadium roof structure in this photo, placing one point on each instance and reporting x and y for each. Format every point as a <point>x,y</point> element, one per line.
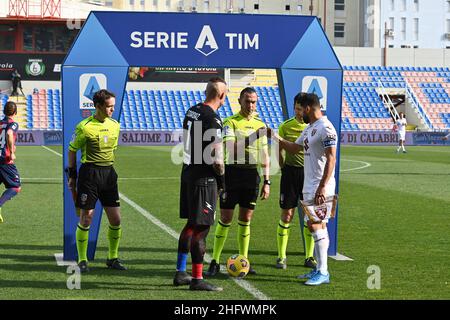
<point>110,42</point>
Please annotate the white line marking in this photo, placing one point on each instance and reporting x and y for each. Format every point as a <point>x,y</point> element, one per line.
<point>53,151</point>
<point>149,216</point>
<point>364,166</point>
<point>242,283</point>
<point>61,262</point>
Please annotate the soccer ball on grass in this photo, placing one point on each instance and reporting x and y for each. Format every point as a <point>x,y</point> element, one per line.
<point>238,266</point>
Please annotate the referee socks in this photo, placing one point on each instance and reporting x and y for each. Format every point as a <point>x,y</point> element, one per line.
<point>243,237</point>
<point>82,237</point>
<point>282,238</point>
<point>114,236</point>
<point>220,237</point>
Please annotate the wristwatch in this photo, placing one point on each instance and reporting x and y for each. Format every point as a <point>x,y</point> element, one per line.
<point>267,182</point>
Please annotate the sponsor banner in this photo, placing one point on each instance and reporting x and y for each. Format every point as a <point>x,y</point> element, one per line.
<point>374,138</point>
<point>43,67</point>
<point>172,138</point>
<point>151,138</point>
<point>214,40</point>
<point>53,138</point>
<point>39,138</point>
<point>127,138</point>
<point>30,138</point>
<point>430,138</point>
<point>146,74</point>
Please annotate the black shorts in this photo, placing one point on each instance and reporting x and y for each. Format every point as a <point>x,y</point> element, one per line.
<point>97,183</point>
<point>198,199</point>
<point>291,186</point>
<point>9,176</point>
<point>242,187</point>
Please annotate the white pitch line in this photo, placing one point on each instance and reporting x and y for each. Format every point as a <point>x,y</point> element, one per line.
<point>53,151</point>
<point>149,216</point>
<point>364,166</point>
<point>242,283</point>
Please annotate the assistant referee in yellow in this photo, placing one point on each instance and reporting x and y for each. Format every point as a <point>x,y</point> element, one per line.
<point>97,138</point>
<point>246,149</point>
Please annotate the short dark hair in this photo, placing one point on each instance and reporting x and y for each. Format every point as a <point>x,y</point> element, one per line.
<point>307,99</point>
<point>248,90</point>
<point>10,109</point>
<point>101,96</point>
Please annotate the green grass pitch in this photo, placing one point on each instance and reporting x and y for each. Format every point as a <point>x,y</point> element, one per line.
<point>394,214</point>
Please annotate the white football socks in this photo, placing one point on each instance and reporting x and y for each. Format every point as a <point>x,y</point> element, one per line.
<point>321,244</point>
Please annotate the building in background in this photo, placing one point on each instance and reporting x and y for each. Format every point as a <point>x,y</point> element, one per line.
<point>35,36</point>
<point>38,9</point>
<point>348,23</point>
<point>406,23</point>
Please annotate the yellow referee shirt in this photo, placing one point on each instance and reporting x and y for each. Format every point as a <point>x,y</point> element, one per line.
<point>237,128</point>
<point>290,130</point>
<point>97,140</point>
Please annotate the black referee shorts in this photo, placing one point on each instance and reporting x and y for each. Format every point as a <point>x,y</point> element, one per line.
<point>242,187</point>
<point>97,183</point>
<point>198,199</point>
<point>291,186</point>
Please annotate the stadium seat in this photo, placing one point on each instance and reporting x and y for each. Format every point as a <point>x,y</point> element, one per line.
<point>159,109</point>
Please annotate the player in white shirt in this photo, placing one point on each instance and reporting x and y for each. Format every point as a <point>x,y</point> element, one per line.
<point>319,142</point>
<point>400,127</point>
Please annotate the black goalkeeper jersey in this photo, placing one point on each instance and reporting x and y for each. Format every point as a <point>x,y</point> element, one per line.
<point>202,128</point>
